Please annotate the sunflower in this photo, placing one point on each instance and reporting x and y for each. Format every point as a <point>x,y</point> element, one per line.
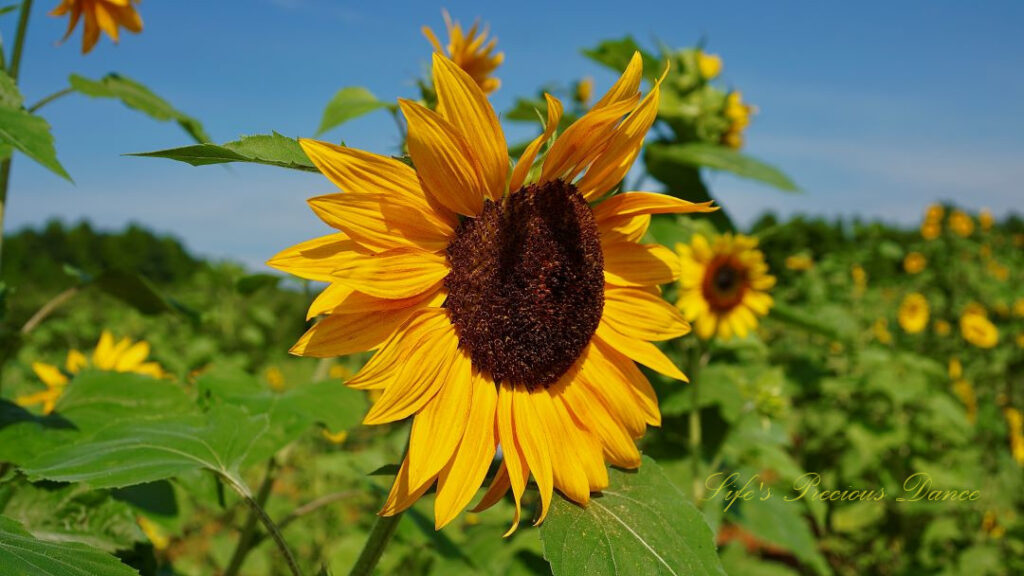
<point>985,219</point>
<point>738,114</point>
<point>724,285</point>
<point>961,224</point>
<point>913,313</point>
<point>122,356</point>
<point>1015,424</point>
<point>799,262</point>
<point>915,263</point>
<point>977,329</point>
<point>930,229</point>
<point>503,312</point>
<point>105,15</point>
<point>708,65</point>
<point>941,327</point>
<point>471,51</point>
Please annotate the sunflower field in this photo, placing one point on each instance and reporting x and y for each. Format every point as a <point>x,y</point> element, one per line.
<point>549,355</point>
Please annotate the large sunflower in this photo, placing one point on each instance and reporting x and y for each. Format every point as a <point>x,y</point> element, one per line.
<point>504,311</point>
<point>724,285</point>
<point>105,15</point>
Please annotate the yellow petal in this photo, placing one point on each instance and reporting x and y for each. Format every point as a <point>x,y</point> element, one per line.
<point>461,102</point>
<point>624,229</point>
<point>132,357</point>
<point>341,299</point>
<point>629,264</point>
<point>393,274</point>
<point>341,334</point>
<point>640,351</point>
<point>75,361</point>
<point>105,20</point>
<point>102,356</point>
<point>590,412</point>
<point>602,378</point>
<point>314,259</point>
<point>533,441</point>
<point>525,162</point>
<point>437,429</point>
<point>635,203</point>
<point>428,348</point>
<point>461,479</point>
<point>638,384</point>
<point>50,375</point>
<point>517,469</point>
<point>500,485</point>
<point>379,222</point>
<point>628,85</point>
<point>445,164</point>
<point>403,493</point>
<point>642,315</point>
<point>567,470</point>
<point>583,141</point>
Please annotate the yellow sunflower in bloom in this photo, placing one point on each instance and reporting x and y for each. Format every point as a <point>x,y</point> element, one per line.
<point>930,230</point>
<point>106,15</point>
<point>913,313</point>
<point>961,224</point>
<point>915,263</point>
<point>471,51</point>
<point>724,285</point>
<point>505,313</point>
<point>977,329</point>
<point>121,356</point>
<point>934,213</point>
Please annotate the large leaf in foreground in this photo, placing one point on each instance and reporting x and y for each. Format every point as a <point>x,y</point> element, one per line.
<point>272,150</point>
<point>722,158</point>
<point>145,451</point>
<point>136,96</point>
<point>30,135</point>
<point>641,524</point>
<point>348,103</point>
<point>22,553</point>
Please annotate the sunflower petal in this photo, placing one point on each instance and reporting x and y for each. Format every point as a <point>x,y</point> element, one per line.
<point>642,315</point>
<point>438,428</point>
<point>628,84</point>
<point>393,274</point>
<point>403,493</point>
<point>629,264</point>
<point>380,222</point>
<point>314,259</point>
<point>341,334</point>
<point>515,462</point>
<point>533,441</point>
<point>639,351</point>
<point>636,203</point>
<point>525,162</point>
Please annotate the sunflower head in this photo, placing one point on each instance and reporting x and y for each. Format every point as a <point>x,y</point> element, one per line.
<point>913,314</point>
<point>961,224</point>
<point>941,327</point>
<point>930,229</point>
<point>914,263</point>
<point>106,15</point>
<point>738,114</point>
<point>507,308</point>
<point>978,330</point>
<point>723,285</point>
<point>934,213</point>
<point>471,51</point>
<point>799,262</point>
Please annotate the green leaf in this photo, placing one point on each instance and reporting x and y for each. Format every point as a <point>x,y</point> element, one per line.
<point>74,514</point>
<point>722,158</point>
<point>137,452</point>
<point>272,150</point>
<point>137,97</point>
<point>348,103</point>
<point>640,524</point>
<point>252,283</point>
<point>22,553</point>
<point>10,96</point>
<point>779,522</point>
<point>9,8</point>
<point>133,290</point>
<point>616,55</point>
<point>30,134</point>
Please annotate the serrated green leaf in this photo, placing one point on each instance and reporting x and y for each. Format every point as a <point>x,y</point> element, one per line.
<point>30,135</point>
<point>74,514</point>
<point>10,96</point>
<point>272,150</point>
<point>722,158</point>
<point>137,452</point>
<point>138,97</point>
<point>348,103</point>
<point>22,553</point>
<point>640,524</point>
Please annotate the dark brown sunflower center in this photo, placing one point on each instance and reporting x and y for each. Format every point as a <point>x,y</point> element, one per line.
<point>526,290</point>
<point>725,283</point>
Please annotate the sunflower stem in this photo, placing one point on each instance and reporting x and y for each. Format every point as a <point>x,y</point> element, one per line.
<point>698,358</point>
<point>383,529</point>
<point>272,528</point>
<point>55,96</point>
<point>247,539</point>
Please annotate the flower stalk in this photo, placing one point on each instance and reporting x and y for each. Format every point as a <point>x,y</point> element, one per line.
<point>383,529</point>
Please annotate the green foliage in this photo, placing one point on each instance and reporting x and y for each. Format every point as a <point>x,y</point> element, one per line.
<point>721,158</point>
<point>23,131</point>
<point>347,104</point>
<point>22,553</point>
<point>138,97</point>
<point>641,521</point>
<point>272,150</point>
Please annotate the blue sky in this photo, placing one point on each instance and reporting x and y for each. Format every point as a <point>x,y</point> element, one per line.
<point>874,108</point>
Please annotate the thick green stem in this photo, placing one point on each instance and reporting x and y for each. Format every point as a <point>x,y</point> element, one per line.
<point>698,357</point>
<point>383,529</point>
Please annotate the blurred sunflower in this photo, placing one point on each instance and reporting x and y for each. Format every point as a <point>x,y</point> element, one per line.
<point>880,330</point>
<point>738,114</point>
<point>724,285</point>
<point>799,262</point>
<point>471,51</point>
<point>121,356</point>
<point>584,91</point>
<point>914,263</point>
<point>941,327</point>
<point>1015,423</point>
<point>985,219</point>
<point>106,15</point>
<point>977,329</point>
<point>860,279</point>
<point>709,65</point>
<point>1018,307</point>
<point>964,390</point>
<point>930,230</point>
<point>934,213</point>
<point>504,312</point>
<point>913,313</point>
<point>961,224</point>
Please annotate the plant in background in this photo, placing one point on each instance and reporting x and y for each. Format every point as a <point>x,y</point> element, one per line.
<point>913,313</point>
<point>470,50</point>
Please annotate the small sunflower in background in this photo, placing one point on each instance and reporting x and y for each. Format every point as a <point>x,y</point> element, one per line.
<point>124,355</point>
<point>800,262</point>
<point>106,15</point>
<point>860,279</point>
<point>504,312</point>
<point>977,329</point>
<point>723,285</point>
<point>471,51</point>
<point>941,327</point>
<point>1015,424</point>
<point>738,114</point>
<point>913,313</point>
<point>709,65</point>
<point>985,219</point>
<point>915,263</point>
<point>961,224</point>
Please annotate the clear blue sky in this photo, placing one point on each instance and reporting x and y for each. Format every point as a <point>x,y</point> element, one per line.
<point>874,108</point>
